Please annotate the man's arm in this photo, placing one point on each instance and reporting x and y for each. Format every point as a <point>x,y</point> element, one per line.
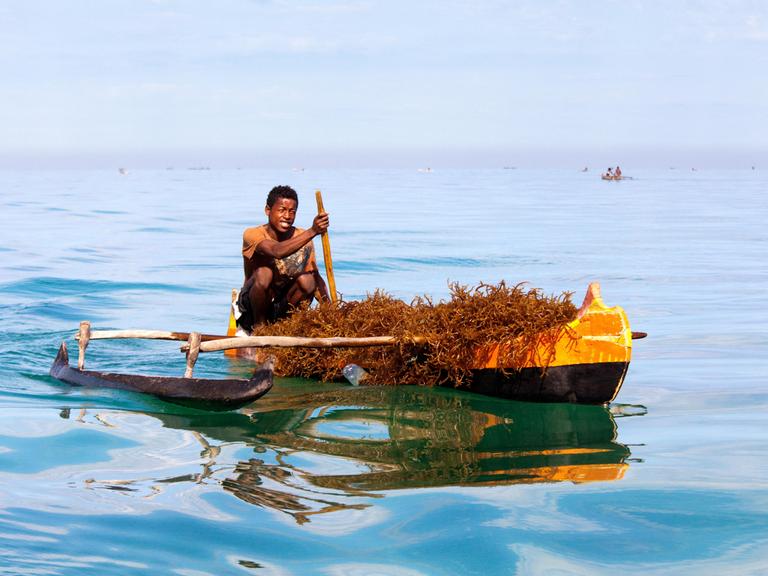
<point>275,249</point>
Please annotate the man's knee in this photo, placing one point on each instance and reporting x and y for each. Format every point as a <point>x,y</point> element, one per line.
<point>262,278</point>
<point>306,283</point>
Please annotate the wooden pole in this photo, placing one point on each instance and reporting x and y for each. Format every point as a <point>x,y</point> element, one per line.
<point>165,335</point>
<point>84,336</point>
<point>147,335</point>
<point>326,251</point>
<point>193,345</point>
<point>301,342</point>
<point>298,342</point>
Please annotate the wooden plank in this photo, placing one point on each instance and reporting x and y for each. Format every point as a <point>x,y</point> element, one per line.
<point>148,334</point>
<point>215,342</point>
<point>297,342</point>
<point>193,345</point>
<point>300,342</point>
<point>84,336</point>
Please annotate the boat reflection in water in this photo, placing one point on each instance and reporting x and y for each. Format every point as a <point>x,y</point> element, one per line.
<point>323,452</point>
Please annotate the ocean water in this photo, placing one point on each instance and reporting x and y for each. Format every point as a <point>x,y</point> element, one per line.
<point>329,479</point>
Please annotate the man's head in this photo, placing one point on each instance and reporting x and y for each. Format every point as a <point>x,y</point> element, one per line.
<point>282,203</point>
<point>282,192</point>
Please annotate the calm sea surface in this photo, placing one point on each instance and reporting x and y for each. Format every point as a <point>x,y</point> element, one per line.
<point>330,479</point>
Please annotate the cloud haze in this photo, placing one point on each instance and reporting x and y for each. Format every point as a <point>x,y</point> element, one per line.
<point>383,82</point>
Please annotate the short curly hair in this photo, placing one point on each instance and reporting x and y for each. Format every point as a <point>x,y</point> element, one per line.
<point>282,192</point>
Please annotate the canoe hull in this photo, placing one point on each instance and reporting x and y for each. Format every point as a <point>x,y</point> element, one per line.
<point>207,393</point>
<point>596,383</point>
<point>586,363</point>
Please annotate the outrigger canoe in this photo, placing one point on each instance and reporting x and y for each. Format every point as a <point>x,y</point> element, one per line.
<point>586,364</point>
<point>208,393</point>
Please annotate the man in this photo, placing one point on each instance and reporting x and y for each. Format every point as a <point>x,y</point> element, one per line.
<point>279,262</point>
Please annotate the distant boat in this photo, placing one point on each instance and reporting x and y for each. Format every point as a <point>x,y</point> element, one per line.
<point>612,174</point>
<point>425,169</point>
<point>122,171</point>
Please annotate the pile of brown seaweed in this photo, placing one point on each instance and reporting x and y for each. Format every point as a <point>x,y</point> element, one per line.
<point>454,333</point>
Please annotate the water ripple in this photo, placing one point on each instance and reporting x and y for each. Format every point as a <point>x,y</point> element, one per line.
<point>52,286</point>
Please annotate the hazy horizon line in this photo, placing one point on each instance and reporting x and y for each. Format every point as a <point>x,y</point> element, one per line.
<point>384,158</point>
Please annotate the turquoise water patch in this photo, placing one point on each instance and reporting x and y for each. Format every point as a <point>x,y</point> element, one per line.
<point>655,527</point>
<point>361,430</point>
<point>53,286</point>
<point>362,266</point>
<point>28,268</point>
<point>25,455</point>
<point>56,310</point>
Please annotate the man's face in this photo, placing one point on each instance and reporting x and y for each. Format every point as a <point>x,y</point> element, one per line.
<point>282,214</point>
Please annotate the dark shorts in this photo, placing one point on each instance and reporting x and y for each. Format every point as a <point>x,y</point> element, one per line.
<point>278,306</point>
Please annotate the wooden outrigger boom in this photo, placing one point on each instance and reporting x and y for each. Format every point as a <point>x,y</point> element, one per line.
<point>204,392</point>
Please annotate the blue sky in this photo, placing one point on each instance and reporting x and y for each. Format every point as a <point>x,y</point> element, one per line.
<point>383,83</point>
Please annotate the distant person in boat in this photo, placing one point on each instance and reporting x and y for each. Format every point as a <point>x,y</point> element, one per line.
<point>608,174</point>
<point>617,173</point>
<point>279,263</point>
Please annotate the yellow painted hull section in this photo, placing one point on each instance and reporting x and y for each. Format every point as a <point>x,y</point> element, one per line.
<point>598,334</point>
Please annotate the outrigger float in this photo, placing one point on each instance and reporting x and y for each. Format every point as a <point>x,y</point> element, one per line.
<point>586,364</point>
<point>208,393</point>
